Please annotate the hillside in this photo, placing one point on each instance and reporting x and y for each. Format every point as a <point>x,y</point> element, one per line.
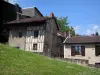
<point>17,62</point>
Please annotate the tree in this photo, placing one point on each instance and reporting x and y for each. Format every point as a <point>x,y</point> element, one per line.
<point>97,34</point>
<point>72,31</point>
<point>63,23</point>
<point>18,8</point>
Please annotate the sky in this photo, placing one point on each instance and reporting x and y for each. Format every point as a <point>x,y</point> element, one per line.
<point>83,15</point>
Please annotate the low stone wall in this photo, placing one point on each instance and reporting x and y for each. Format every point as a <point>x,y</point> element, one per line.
<point>75,61</point>
<point>97,65</point>
<point>81,62</point>
<point>78,61</point>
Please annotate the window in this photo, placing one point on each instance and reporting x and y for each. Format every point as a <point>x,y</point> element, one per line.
<point>20,34</point>
<point>78,50</point>
<point>34,46</point>
<point>36,34</point>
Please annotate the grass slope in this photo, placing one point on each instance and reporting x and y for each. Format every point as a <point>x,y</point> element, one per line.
<point>17,62</point>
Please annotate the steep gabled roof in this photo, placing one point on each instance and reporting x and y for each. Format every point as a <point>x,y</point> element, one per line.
<point>31,11</point>
<point>82,40</point>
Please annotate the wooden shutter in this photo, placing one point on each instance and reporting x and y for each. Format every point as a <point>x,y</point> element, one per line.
<point>72,50</point>
<point>97,48</point>
<point>96,54</point>
<point>83,50</point>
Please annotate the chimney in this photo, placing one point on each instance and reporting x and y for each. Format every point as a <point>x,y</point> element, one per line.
<point>69,34</point>
<point>51,15</point>
<point>65,34</point>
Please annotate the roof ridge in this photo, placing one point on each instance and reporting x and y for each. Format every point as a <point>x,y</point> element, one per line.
<point>29,7</point>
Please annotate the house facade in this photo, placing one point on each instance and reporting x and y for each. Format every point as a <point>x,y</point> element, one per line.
<point>26,35</point>
<point>36,34</point>
<point>83,49</point>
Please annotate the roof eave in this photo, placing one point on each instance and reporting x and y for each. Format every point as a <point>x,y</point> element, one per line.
<point>84,43</point>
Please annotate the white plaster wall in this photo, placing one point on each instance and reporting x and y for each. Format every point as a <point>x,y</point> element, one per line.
<point>67,51</point>
<point>89,53</point>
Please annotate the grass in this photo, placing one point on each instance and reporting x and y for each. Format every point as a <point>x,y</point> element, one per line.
<point>18,62</point>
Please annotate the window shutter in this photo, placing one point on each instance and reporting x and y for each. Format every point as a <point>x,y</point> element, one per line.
<point>72,50</point>
<point>97,52</point>
<point>83,50</point>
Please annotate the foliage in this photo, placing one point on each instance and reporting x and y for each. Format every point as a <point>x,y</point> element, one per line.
<point>63,23</point>
<point>18,62</point>
<point>79,35</point>
<point>17,5</point>
<point>72,31</point>
<point>97,34</point>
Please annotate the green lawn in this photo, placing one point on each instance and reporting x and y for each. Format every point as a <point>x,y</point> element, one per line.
<point>17,62</point>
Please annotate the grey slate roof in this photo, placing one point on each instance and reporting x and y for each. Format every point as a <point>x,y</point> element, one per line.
<point>82,40</point>
<point>31,11</point>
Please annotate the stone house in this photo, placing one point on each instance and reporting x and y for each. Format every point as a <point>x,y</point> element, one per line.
<point>10,12</point>
<point>36,34</point>
<point>82,49</point>
<point>9,15</point>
